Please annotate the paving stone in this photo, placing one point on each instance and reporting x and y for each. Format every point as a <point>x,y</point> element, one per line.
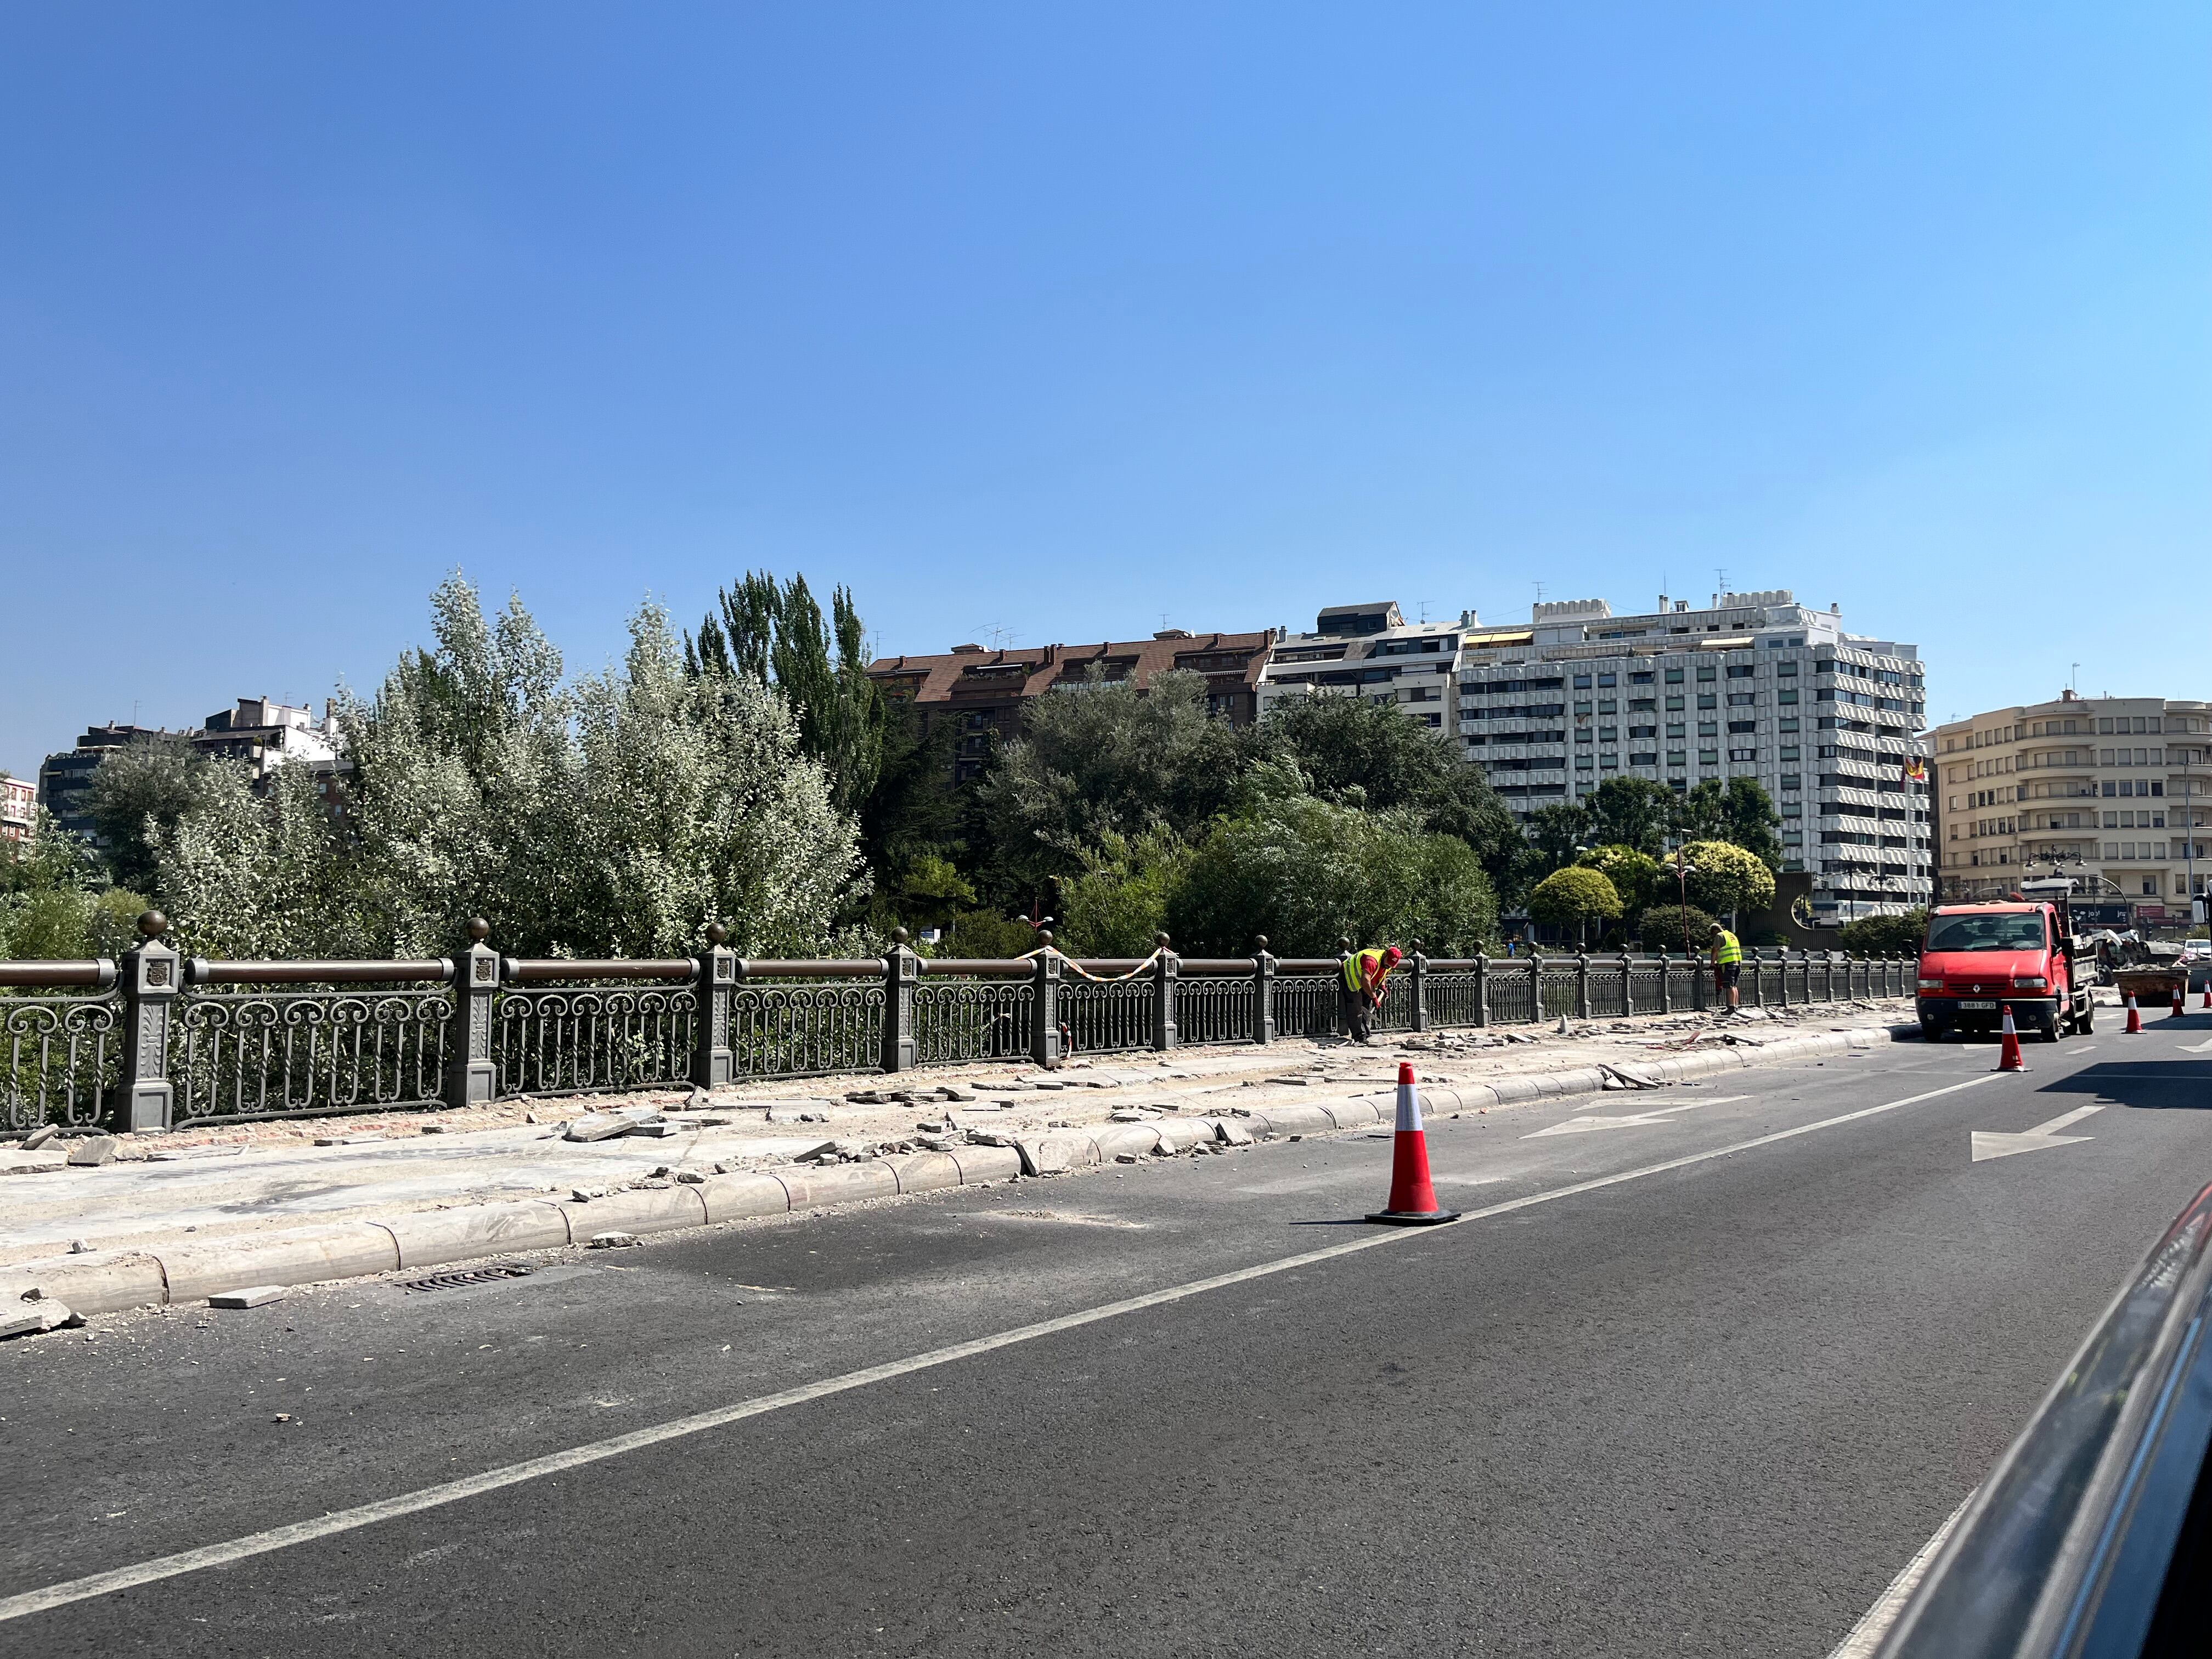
<point>92,1152</point>
<point>612,1241</point>
<point>252,1296</point>
<point>596,1125</point>
<point>39,1136</point>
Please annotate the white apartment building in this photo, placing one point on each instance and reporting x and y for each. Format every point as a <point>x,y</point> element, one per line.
<point>1751,685</point>
<point>1371,651</point>
<point>2105,790</point>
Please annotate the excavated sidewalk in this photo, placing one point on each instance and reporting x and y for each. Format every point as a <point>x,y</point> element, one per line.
<point>92,1225</point>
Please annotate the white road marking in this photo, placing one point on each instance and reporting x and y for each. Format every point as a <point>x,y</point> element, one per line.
<point>1585,1124</point>
<point>1986,1144</point>
<point>2203,1047</point>
<point>1866,1635</point>
<point>453,1491</point>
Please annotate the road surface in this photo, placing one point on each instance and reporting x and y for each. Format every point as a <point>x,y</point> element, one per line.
<point>1701,1370</point>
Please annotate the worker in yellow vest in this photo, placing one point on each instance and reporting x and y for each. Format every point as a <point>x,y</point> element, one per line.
<point>1365,973</point>
<point>1727,963</point>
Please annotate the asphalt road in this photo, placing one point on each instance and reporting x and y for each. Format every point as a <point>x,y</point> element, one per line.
<point>1708,1408</point>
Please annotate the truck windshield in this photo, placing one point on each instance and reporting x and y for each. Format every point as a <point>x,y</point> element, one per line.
<point>2016,931</point>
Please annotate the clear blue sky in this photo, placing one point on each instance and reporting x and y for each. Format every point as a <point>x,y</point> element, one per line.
<point>1058,319</point>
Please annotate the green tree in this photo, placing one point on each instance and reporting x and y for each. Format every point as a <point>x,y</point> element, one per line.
<point>1119,901</point>
<point>1574,897</point>
<point>776,637</point>
<point>1306,872</point>
<point>140,789</point>
<point>1632,812</point>
<point>1726,879</point>
<point>1098,759</point>
<point>1635,877</point>
<point>1739,812</point>
<point>913,828</point>
<point>1670,928</point>
<point>1556,832</point>
<point>1901,931</point>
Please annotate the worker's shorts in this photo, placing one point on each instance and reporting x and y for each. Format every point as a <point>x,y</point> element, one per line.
<point>1731,972</point>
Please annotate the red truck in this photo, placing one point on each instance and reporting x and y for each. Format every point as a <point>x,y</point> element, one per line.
<point>1979,960</point>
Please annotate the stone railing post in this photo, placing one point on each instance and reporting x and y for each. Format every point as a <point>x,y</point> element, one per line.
<point>1581,985</point>
<point>471,1077</point>
<point>1701,981</point>
<point>1263,992</point>
<point>1166,971</point>
<point>1482,986</point>
<point>901,973</point>
<point>1045,1047</point>
<point>712,1064</point>
<point>1627,986</point>
<point>1421,988</point>
<point>151,976</point>
<point>1666,984</point>
<point>1336,1002</point>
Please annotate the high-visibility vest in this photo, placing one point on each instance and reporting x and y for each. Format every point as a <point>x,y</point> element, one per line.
<point>1726,950</point>
<point>1355,968</point>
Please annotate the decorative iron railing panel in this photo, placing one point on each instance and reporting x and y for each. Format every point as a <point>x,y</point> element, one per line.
<point>1513,992</point>
<point>64,1058</point>
<point>960,1020</point>
<point>807,1028</point>
<point>1396,1013</point>
<point>1454,997</point>
<point>300,1054</point>
<point>1210,1009</point>
<point>1684,979</point>
<point>1556,981</point>
<point>1646,976</point>
<point>1608,990</point>
<point>574,1040</point>
<point>1106,1016</point>
<point>1305,1005</point>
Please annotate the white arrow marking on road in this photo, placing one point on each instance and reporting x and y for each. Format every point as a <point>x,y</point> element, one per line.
<point>2203,1047</point>
<point>1583,1126</point>
<point>1987,1144</point>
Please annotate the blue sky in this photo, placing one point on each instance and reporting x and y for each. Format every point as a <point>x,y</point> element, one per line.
<point>1056,319</point>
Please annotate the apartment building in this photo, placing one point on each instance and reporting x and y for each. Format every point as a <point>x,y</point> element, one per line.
<point>19,808</point>
<point>983,692</point>
<point>2111,791</point>
<point>1371,651</point>
<point>1750,685</point>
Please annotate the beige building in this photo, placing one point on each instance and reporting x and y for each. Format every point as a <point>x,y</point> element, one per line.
<point>2114,791</point>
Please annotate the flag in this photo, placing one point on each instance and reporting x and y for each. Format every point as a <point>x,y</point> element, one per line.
<point>1916,769</point>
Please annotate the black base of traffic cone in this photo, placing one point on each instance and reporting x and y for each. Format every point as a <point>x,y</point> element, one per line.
<point>1413,1217</point>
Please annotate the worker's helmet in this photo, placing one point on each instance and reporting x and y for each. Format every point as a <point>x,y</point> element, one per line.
<point>1717,930</point>
<point>1391,953</point>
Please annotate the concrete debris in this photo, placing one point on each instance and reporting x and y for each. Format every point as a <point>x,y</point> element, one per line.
<point>1628,1077</point>
<point>612,1241</point>
<point>92,1152</point>
<point>585,1195</point>
<point>699,1097</point>
<point>32,1318</point>
<point>1292,1082</point>
<point>690,1177</point>
<point>826,1152</point>
<point>953,1091</point>
<point>433,1128</point>
<point>935,1143</point>
<point>657,1129</point>
<point>1234,1134</point>
<point>1125,1157</point>
<point>346,1140</point>
<point>598,1126</point>
<point>80,1247</point>
<point>253,1295</point>
<point>1129,1114</point>
<point>991,1138</point>
<point>39,1136</point>
<point>650,1184</point>
<point>929,1128</point>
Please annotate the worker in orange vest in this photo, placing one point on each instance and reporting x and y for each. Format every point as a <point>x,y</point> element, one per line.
<point>1365,973</point>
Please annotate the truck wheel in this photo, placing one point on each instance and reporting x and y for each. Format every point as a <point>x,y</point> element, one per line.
<point>2086,1021</point>
<point>2046,1026</point>
<point>1930,1031</point>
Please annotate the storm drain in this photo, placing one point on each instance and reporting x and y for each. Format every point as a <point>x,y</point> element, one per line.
<point>466,1276</point>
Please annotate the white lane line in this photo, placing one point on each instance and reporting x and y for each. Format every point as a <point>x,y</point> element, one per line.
<point>473,1486</point>
<point>1866,1635</point>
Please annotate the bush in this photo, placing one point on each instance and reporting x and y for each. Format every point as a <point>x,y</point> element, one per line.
<point>1662,928</point>
<point>1725,879</point>
<point>1881,935</point>
<point>1573,897</point>
<point>1634,876</point>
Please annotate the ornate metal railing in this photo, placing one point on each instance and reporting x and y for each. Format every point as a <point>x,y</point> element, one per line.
<point>62,1054</point>
<point>598,1036</point>
<point>183,1042</point>
<point>1214,1008</point>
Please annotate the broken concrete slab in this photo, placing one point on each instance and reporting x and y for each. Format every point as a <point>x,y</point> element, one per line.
<point>92,1152</point>
<point>39,1136</point>
<point>254,1296</point>
<point>613,1239</point>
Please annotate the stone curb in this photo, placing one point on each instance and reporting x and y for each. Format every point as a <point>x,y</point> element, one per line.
<point>105,1281</point>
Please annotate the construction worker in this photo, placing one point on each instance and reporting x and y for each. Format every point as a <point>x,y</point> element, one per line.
<point>1727,963</point>
<point>1365,973</point>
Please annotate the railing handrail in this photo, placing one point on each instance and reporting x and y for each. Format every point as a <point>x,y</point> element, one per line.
<point>43,970</point>
<point>975,966</point>
<point>525,971</point>
<point>850,968</point>
<point>2065,1547</point>
<point>204,971</point>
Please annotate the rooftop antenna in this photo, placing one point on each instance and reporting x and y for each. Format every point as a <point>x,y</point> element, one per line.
<point>1163,621</point>
<point>1539,587</point>
<point>1720,580</point>
<point>2073,680</point>
<point>1425,609</point>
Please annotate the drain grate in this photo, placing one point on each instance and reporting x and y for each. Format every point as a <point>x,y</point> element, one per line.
<point>466,1276</point>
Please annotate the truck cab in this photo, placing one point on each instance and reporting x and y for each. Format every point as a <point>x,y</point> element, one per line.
<point>1978,961</point>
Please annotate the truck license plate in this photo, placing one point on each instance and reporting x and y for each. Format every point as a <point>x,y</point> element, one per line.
<point>1979,1007</point>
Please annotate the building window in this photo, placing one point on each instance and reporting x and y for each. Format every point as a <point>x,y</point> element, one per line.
<point>1677,757</point>
<point>1608,679</point>
<point>1641,676</point>
<point>1709,757</point>
<point>1674,676</point>
<point>1581,682</point>
<point>1645,758</point>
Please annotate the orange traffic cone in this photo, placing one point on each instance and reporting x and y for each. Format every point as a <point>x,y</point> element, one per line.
<point>2009,1058</point>
<point>2208,994</point>
<point>2175,1012</point>
<point>1413,1200</point>
<point>2134,1018</point>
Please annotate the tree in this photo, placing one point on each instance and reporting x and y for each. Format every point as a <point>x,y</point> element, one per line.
<point>1119,901</point>
<point>51,903</point>
<point>1632,812</point>
<point>1557,832</point>
<point>1901,931</point>
<point>775,636</point>
<point>1739,812</point>
<point>1098,759</point>
<point>1636,877</point>
<point>142,787</point>
<point>1574,897</point>
<point>1666,928</point>
<point>1306,872</point>
<point>1726,879</point>
<point>1344,744</point>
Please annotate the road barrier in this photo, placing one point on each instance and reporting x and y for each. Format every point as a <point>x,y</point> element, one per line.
<point>156,1040</point>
